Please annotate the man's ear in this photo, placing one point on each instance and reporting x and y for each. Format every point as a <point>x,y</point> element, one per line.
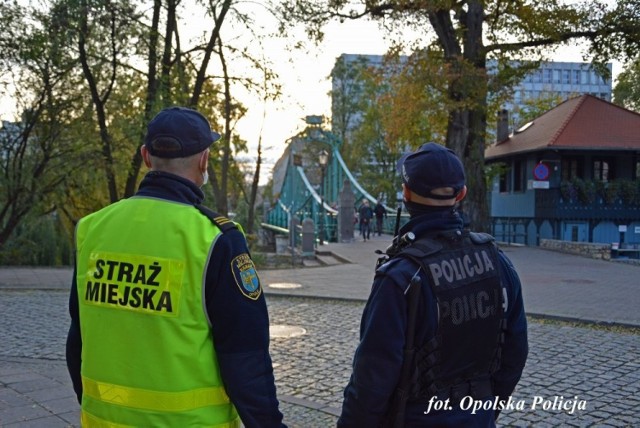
<point>204,161</point>
<point>461,194</point>
<point>146,156</point>
<point>406,193</point>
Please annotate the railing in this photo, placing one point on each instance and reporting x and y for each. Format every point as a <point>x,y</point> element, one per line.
<point>551,204</point>
<point>509,230</point>
<point>274,229</point>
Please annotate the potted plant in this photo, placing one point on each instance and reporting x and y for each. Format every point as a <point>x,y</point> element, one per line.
<point>586,190</point>
<point>567,191</point>
<point>611,191</point>
<point>630,191</point>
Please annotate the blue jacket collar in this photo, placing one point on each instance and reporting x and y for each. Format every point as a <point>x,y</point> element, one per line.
<point>430,223</point>
<point>164,185</point>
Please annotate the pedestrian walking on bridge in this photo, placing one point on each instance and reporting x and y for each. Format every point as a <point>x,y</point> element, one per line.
<point>381,213</point>
<point>365,214</point>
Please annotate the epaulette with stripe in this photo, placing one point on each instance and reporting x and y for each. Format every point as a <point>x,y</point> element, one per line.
<point>223,223</point>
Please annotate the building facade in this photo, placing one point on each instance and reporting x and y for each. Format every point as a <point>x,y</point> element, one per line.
<point>571,174</point>
<point>557,79</point>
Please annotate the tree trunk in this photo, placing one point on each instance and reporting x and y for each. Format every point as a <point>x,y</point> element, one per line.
<point>215,38</point>
<point>98,103</point>
<point>467,100</point>
<point>226,138</point>
<point>153,84</point>
<point>254,189</point>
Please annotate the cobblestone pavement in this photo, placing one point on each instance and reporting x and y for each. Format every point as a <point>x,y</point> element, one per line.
<point>598,366</point>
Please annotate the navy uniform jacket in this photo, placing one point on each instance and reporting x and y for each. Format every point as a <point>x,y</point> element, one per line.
<point>240,325</point>
<point>378,358</point>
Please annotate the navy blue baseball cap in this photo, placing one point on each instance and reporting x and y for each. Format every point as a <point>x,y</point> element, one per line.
<point>432,166</point>
<point>178,132</point>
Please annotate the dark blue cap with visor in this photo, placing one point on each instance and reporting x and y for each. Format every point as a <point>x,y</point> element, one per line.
<point>178,132</point>
<point>432,166</point>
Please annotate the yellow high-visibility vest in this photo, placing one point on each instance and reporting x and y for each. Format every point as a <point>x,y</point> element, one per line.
<point>147,351</point>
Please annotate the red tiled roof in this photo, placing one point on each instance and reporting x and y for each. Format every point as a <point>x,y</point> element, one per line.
<point>581,123</point>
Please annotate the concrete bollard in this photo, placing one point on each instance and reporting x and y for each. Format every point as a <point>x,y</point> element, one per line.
<point>308,237</point>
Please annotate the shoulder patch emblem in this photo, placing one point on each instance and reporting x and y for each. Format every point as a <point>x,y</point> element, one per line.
<point>244,272</point>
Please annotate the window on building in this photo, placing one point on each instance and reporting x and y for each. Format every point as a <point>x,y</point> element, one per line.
<point>518,176</point>
<point>566,76</point>
<point>556,76</point>
<point>537,76</point>
<point>600,80</point>
<point>548,75</point>
<point>504,181</point>
<point>571,168</point>
<point>637,176</point>
<point>576,77</point>
<point>603,170</point>
<point>585,77</point>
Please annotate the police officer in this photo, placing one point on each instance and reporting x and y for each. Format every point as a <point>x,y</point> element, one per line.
<point>464,342</point>
<point>169,325</point>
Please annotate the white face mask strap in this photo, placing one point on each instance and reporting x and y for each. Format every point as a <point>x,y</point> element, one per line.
<point>205,174</point>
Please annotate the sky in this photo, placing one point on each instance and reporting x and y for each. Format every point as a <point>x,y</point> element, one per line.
<point>304,76</point>
<point>306,84</point>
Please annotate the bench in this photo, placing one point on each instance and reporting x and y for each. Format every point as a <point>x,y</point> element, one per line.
<point>633,253</point>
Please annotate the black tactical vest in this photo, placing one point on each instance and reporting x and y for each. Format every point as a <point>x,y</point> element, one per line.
<point>462,269</point>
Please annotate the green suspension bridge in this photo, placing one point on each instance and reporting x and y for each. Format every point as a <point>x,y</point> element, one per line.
<point>307,181</point>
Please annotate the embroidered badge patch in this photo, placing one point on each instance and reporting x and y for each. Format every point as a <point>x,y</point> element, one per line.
<point>244,272</point>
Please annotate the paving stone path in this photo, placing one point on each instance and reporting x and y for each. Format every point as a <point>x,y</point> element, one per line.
<point>598,366</point>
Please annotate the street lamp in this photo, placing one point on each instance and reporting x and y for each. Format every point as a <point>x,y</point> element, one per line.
<point>323,160</point>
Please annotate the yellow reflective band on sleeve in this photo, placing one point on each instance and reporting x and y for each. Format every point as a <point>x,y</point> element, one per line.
<point>154,400</point>
<point>222,220</point>
<point>92,421</point>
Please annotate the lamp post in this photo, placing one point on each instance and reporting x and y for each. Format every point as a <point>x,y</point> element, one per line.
<point>323,160</point>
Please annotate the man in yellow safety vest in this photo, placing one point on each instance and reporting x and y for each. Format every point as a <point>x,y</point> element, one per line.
<point>169,325</point>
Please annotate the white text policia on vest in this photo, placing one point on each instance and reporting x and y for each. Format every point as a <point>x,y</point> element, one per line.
<point>460,268</point>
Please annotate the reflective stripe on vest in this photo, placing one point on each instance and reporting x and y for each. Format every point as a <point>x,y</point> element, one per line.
<point>89,420</point>
<point>154,400</point>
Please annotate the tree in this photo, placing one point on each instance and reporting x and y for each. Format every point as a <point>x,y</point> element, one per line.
<point>347,96</point>
<point>99,71</point>
<point>399,114</point>
<point>174,76</point>
<point>108,37</point>
<point>410,103</point>
<point>38,151</point>
<point>465,34</point>
<point>627,90</point>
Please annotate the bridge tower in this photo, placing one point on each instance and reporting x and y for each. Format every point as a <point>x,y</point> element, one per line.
<point>309,176</point>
